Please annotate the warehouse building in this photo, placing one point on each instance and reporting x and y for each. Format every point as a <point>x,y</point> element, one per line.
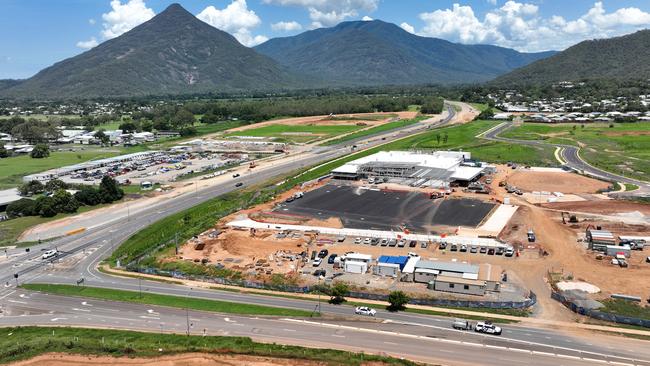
<point>422,169</point>
<point>427,271</point>
<point>459,285</point>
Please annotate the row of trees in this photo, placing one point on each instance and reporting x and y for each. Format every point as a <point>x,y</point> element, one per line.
<point>59,200</point>
<point>397,300</point>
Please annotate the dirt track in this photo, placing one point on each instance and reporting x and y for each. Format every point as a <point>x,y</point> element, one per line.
<point>190,359</point>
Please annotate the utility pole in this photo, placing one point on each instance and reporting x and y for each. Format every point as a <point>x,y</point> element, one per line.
<point>140,285</point>
<point>187,312</point>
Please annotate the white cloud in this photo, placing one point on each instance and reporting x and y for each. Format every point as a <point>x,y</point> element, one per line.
<point>124,17</point>
<point>492,2</point>
<point>286,26</point>
<point>520,25</point>
<point>86,45</point>
<point>326,13</point>
<point>235,19</point>
<point>92,21</point>
<point>367,18</point>
<point>407,27</point>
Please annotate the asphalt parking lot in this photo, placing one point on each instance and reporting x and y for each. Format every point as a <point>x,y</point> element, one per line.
<point>387,210</point>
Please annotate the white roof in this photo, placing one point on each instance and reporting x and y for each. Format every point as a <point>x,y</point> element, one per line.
<point>358,257</point>
<point>347,168</point>
<point>439,159</point>
<point>466,172</point>
<point>409,267</point>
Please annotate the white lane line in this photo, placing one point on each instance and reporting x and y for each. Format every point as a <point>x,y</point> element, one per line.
<point>7,295</point>
<point>84,310</point>
<point>393,343</point>
<point>149,317</point>
<point>339,336</point>
<point>288,330</point>
<point>17,302</point>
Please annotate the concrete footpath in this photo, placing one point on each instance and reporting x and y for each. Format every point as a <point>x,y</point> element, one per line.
<point>523,320</point>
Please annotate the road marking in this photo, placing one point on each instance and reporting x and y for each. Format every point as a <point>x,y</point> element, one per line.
<point>593,360</point>
<point>289,330</point>
<point>17,302</point>
<point>543,353</point>
<point>149,317</point>
<point>77,309</point>
<point>393,343</point>
<point>342,336</point>
<point>7,295</point>
<point>57,319</point>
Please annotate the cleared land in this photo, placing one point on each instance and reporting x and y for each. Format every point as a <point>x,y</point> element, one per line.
<point>297,133</point>
<point>555,182</point>
<point>27,342</point>
<point>164,300</point>
<point>623,148</point>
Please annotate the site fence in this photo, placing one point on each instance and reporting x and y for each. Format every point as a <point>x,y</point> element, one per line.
<point>600,315</point>
<point>528,302</point>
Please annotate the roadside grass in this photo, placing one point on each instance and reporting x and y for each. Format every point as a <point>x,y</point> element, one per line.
<point>414,108</point>
<point>630,187</point>
<point>377,129</point>
<point>165,300</point>
<point>13,169</point>
<point>297,133</point>
<point>622,149</point>
<point>625,308</point>
<point>26,342</point>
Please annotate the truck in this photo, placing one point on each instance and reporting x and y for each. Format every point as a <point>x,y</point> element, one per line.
<point>531,236</point>
<point>487,328</point>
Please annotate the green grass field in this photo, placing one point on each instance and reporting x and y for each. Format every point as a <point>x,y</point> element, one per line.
<point>377,129</point>
<point>13,169</point>
<point>26,342</point>
<point>622,149</point>
<point>165,300</point>
<point>297,133</point>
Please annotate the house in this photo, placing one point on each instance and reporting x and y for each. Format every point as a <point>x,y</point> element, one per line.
<point>459,285</point>
<point>426,271</point>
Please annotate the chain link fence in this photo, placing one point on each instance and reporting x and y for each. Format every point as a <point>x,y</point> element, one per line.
<point>600,315</point>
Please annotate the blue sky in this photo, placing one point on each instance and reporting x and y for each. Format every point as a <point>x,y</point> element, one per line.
<point>38,33</point>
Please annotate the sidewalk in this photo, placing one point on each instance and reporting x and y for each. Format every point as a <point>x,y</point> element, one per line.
<point>522,320</point>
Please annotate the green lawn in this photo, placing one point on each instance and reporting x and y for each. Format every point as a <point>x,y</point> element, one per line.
<point>165,300</point>
<point>377,129</point>
<point>626,308</point>
<point>631,187</point>
<point>27,342</point>
<point>297,133</point>
<point>621,149</point>
<point>13,169</point>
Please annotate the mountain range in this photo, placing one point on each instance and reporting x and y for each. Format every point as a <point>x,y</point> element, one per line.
<point>619,58</point>
<point>175,53</point>
<point>375,52</point>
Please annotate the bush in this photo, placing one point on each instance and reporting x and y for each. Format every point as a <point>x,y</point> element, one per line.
<point>338,292</point>
<point>64,202</point>
<point>397,300</point>
<point>88,196</point>
<point>22,207</point>
<point>55,184</point>
<point>45,206</point>
<point>31,187</point>
<point>40,151</point>
<point>109,191</point>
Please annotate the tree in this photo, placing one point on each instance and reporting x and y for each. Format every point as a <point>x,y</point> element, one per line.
<point>3,152</point>
<point>338,293</point>
<point>22,207</point>
<point>88,195</point>
<point>146,125</point>
<point>438,138</point>
<point>109,191</point>
<point>128,126</point>
<point>45,206</point>
<point>183,118</point>
<point>31,187</point>
<point>445,138</point>
<point>102,137</point>
<point>64,202</point>
<point>397,300</point>
<point>40,151</point>
<point>55,184</point>
<point>488,113</point>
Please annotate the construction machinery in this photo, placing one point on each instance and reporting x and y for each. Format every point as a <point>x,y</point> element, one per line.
<point>567,217</point>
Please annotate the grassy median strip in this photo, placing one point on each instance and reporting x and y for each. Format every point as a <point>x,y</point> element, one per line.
<point>164,300</point>
<point>27,342</point>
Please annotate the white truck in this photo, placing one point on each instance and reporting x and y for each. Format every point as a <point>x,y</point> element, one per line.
<point>488,328</point>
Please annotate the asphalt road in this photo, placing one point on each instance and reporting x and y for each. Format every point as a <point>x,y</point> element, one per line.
<point>571,155</point>
<point>420,337</point>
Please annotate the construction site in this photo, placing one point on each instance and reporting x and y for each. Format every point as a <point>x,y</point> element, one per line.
<point>496,242</point>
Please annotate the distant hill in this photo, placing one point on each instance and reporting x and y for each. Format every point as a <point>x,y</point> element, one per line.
<point>8,83</point>
<point>376,52</point>
<point>619,58</point>
<point>173,53</point>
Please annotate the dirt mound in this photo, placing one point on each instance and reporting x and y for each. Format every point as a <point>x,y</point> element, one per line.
<point>555,182</point>
<point>192,359</point>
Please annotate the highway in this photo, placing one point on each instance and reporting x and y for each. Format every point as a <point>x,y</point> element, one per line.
<point>571,156</point>
<point>419,337</point>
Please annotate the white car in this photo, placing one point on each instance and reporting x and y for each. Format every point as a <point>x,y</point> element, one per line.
<point>317,262</point>
<point>364,310</point>
<point>357,241</point>
<point>367,241</point>
<point>488,328</point>
<point>50,254</point>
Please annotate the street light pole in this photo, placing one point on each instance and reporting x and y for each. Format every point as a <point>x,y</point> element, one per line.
<point>187,312</point>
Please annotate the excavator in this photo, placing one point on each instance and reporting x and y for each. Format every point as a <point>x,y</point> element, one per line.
<point>567,217</point>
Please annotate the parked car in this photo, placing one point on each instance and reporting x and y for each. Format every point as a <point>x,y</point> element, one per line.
<point>320,273</point>
<point>323,253</point>
<point>463,248</point>
<point>364,310</point>
<point>499,251</point>
<point>401,243</point>
<point>357,241</point>
<point>317,262</point>
<point>331,258</point>
<point>483,250</point>
<point>647,259</point>
<point>531,236</point>
<point>239,184</point>
<point>424,244</point>
<point>235,175</point>
<point>461,324</point>
<point>442,246</point>
<point>50,254</point>
<point>374,241</point>
<point>491,251</point>
<point>413,243</point>
<point>509,252</point>
<point>488,328</point>
<point>290,199</point>
<point>384,242</point>
<point>473,249</point>
<point>313,255</point>
<point>453,248</point>
<point>367,241</point>
<point>392,242</point>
